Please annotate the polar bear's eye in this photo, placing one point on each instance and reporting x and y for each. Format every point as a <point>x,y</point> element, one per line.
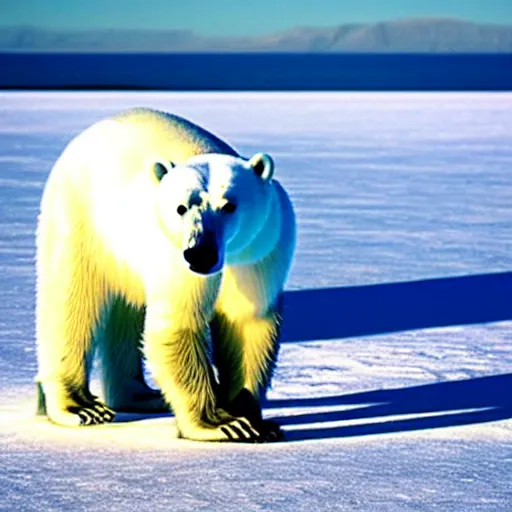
<point>229,208</point>
<point>182,209</point>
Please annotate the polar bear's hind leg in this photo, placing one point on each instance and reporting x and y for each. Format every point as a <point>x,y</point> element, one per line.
<point>119,351</point>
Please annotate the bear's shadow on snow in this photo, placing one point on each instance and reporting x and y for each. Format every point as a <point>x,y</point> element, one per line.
<point>335,313</point>
<point>430,406</point>
<point>338,313</point>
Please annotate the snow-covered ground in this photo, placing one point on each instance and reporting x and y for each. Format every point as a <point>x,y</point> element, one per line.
<point>388,188</point>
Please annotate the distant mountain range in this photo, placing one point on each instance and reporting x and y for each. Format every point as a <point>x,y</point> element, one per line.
<point>408,35</point>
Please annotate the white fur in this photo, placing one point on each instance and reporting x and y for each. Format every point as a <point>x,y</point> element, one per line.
<point>110,242</point>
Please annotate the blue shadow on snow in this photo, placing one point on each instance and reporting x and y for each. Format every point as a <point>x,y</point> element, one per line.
<point>333,313</point>
<point>430,406</point>
<point>444,404</point>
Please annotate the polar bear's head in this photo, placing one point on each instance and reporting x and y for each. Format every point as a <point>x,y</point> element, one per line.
<point>215,205</point>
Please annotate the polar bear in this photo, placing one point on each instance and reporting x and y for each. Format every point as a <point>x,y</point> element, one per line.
<point>155,236</point>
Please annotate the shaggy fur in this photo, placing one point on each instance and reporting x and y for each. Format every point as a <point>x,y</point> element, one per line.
<point>112,277</point>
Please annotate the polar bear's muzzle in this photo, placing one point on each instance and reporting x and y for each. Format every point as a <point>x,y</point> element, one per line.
<point>203,254</point>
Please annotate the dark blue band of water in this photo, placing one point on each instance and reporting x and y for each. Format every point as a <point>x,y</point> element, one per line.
<point>257,71</point>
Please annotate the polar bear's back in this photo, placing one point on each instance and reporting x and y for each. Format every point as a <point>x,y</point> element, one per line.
<point>182,138</point>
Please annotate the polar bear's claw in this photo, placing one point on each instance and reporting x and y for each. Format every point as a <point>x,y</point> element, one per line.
<point>240,430</point>
<point>96,414</point>
<point>86,418</point>
<point>249,431</point>
<point>107,413</point>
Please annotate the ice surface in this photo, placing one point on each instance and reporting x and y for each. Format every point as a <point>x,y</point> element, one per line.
<point>387,188</point>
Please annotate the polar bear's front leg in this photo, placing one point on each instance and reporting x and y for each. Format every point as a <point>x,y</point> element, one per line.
<point>180,363</point>
<point>245,353</point>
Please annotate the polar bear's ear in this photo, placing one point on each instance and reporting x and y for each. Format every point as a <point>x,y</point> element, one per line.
<point>263,165</point>
<point>161,170</point>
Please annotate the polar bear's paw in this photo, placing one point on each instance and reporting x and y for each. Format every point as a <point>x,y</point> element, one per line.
<point>247,406</point>
<point>239,429</point>
<point>94,413</point>
<point>258,432</point>
<point>77,415</point>
<point>234,430</point>
<point>227,428</point>
<point>75,410</point>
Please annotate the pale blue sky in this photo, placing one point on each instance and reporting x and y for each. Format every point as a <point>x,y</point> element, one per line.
<point>238,17</point>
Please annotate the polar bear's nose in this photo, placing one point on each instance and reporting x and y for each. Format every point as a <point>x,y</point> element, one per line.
<point>203,256</point>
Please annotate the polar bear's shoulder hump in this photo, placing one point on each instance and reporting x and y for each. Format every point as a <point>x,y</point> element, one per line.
<point>177,128</point>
